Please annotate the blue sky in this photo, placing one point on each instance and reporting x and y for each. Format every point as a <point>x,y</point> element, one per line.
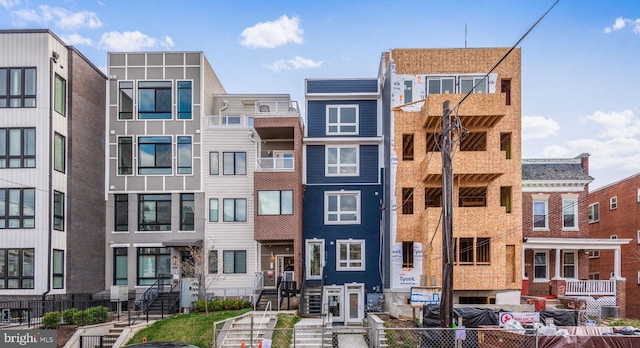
<point>579,65</point>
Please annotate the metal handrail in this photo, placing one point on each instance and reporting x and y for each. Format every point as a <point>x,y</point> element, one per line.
<point>264,314</point>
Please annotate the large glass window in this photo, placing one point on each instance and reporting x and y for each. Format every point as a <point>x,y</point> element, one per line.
<point>342,160</point>
<point>17,208</point>
<point>154,212</point>
<point>234,163</point>
<point>187,212</point>
<point>408,91</point>
<point>121,212</point>
<point>213,210</point>
<point>58,269</point>
<point>17,87</point>
<point>540,220</point>
<point>342,207</point>
<point>60,95</point>
<point>275,202</point>
<point>58,211</point>
<point>59,152</point>
<point>342,119</point>
<point>154,155</point>
<point>440,85</point>
<point>350,255</point>
<point>17,268</point>
<point>214,163</point>
<point>153,263</point>
<point>154,100</point>
<point>125,100</point>
<point>234,210</point>
<point>184,155</point>
<point>570,213</point>
<point>120,266</point>
<point>17,147</point>
<point>125,156</point>
<point>234,261</point>
<point>467,83</point>
<point>540,266</point>
<point>184,100</point>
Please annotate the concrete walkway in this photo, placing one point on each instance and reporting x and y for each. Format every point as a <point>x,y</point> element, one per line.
<point>351,341</point>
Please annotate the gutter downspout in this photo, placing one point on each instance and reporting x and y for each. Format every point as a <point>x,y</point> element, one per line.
<point>50,196</point>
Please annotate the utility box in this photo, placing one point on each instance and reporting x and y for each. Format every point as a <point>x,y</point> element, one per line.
<point>119,293</point>
<point>189,292</point>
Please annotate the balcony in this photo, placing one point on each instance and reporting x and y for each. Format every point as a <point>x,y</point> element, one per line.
<point>214,121</point>
<point>480,110</point>
<point>469,166</point>
<point>285,163</point>
<point>591,288</point>
<point>287,108</point>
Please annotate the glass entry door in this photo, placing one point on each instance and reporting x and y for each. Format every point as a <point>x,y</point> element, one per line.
<point>333,298</point>
<point>355,301</point>
<point>314,259</point>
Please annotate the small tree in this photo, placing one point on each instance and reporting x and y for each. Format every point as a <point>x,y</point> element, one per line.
<point>196,266</point>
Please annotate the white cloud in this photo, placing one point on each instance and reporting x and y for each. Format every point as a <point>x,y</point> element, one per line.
<point>620,153</point>
<point>75,39</point>
<point>621,22</point>
<point>615,124</point>
<point>60,17</point>
<point>9,3</point>
<point>131,41</point>
<point>296,63</point>
<point>273,34</point>
<point>538,127</point>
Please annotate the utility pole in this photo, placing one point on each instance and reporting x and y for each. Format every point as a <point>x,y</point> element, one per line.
<point>446,301</point>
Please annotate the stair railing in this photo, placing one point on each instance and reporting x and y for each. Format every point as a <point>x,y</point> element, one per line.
<point>144,301</point>
<point>264,314</point>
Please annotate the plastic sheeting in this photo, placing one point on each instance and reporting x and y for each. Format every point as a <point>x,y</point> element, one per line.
<point>476,317</point>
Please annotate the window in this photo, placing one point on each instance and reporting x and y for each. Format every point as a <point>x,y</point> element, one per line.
<point>234,163</point>
<point>213,210</point>
<point>154,155</point>
<point>407,255</point>
<point>213,261</point>
<point>407,200</point>
<point>120,266</point>
<point>17,87</point>
<point>570,213</point>
<point>540,215</point>
<point>505,87</point>
<point>342,160</point>
<point>59,152</point>
<point>184,155</point>
<point>58,269</point>
<point>613,203</point>
<point>465,251</point>
<point>154,212</point>
<point>17,208</point>
<point>125,156</point>
<point>121,216</point>
<point>350,255</point>
<point>342,119</point>
<point>126,100</point>
<point>153,263</point>
<point>407,147</point>
<point>234,261</point>
<point>342,207</point>
<point>594,212</point>
<point>432,197</point>
<point>154,100</point>
<point>184,100</point>
<point>505,144</point>
<point>214,163</point>
<point>468,83</point>
<point>234,210</point>
<point>408,91</point>
<point>594,276</point>
<point>60,95</point>
<point>275,202</point>
<point>569,264</point>
<point>638,239</point>
<point>540,266</point>
<point>594,254</point>
<point>440,85</point>
<point>483,251</point>
<point>58,211</point>
<point>505,198</point>
<point>187,212</point>
<point>17,147</point>
<point>474,141</point>
<point>472,251</point>
<point>472,197</point>
<point>17,268</point>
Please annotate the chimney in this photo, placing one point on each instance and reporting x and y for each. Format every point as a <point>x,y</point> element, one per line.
<point>584,160</point>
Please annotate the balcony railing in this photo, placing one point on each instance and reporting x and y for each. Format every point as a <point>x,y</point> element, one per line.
<point>277,107</point>
<point>591,287</point>
<point>230,121</point>
<point>276,164</point>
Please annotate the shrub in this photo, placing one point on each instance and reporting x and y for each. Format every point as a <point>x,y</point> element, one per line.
<point>69,315</point>
<point>50,320</point>
<point>219,305</point>
<point>95,315</point>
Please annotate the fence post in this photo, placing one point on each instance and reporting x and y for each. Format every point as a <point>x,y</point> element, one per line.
<point>101,341</point>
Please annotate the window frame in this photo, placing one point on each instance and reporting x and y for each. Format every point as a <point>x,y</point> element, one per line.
<point>594,212</point>
<point>440,79</point>
<point>338,124</point>
<point>594,254</point>
<point>162,162</point>
<point>284,196</point>
<point>339,212</point>
<point>407,91</point>
<point>59,209</point>
<point>184,149</point>
<point>338,158</point>
<point>23,276</point>
<point>25,155</point>
<point>159,255</point>
<point>407,200</point>
<point>123,87</point>
<point>157,110</point>
<point>475,84</point>
<point>161,225</point>
<point>565,265</point>
<point>237,203</point>
<point>22,96</point>
<point>574,213</point>
<point>239,165</point>
<point>233,268</point>
<point>187,222</point>
<point>183,114</point>
<point>214,163</point>
<point>213,262</point>
<point>59,152</point>
<point>545,265</point>
<point>217,210</point>
<point>9,216</point>
<point>613,203</point>
<point>57,269</point>
<point>121,212</point>
<point>125,152</point>
<point>546,214</point>
<point>120,254</point>
<point>60,95</point>
<point>349,264</point>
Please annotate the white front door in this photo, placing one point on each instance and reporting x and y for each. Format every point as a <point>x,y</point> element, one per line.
<point>314,258</point>
<point>355,302</point>
<point>333,301</point>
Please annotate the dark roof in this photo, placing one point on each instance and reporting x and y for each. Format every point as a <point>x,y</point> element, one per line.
<point>564,170</point>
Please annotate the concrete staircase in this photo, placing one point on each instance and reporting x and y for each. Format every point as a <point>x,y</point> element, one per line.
<point>553,304</point>
<point>248,330</point>
<point>114,333</point>
<point>309,333</point>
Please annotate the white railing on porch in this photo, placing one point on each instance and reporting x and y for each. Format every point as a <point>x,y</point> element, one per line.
<point>591,287</point>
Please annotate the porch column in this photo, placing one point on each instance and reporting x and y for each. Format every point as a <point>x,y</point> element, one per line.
<point>616,264</point>
<point>557,268</point>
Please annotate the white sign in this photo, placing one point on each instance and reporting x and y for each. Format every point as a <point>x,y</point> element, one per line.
<point>521,317</point>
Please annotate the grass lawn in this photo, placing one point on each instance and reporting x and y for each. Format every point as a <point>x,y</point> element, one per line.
<point>193,328</point>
